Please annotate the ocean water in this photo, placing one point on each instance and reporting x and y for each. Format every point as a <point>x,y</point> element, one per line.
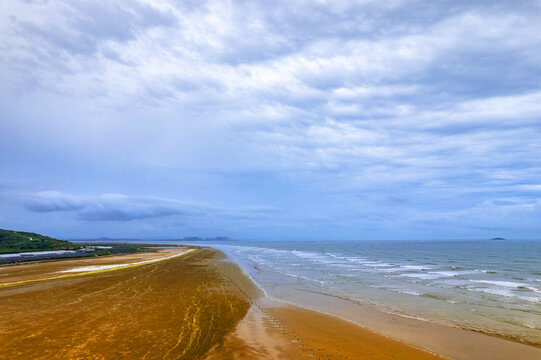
<point>491,286</point>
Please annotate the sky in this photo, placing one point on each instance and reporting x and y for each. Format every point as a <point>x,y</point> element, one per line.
<point>274,120</point>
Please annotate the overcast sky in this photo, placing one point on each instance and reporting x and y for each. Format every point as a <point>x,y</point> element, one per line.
<point>271,119</point>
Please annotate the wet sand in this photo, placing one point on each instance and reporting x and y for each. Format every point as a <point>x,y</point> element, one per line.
<point>289,332</point>
<point>447,341</point>
<point>177,308</point>
<point>196,306</point>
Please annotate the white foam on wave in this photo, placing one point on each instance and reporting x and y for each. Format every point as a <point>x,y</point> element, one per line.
<point>423,276</point>
<point>376,264</point>
<point>345,266</point>
<point>408,292</point>
<point>311,256</point>
<point>508,294</point>
<point>509,284</point>
<point>303,254</point>
<point>369,263</point>
<point>357,260</point>
<point>452,273</point>
<point>336,256</point>
<point>320,282</point>
<point>323,258</point>
<point>416,267</point>
<point>250,249</point>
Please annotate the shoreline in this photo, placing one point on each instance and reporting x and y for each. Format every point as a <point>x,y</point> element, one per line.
<point>461,284</point>
<point>223,313</point>
<point>439,339</point>
<point>444,340</point>
<point>383,310</point>
<point>268,332</point>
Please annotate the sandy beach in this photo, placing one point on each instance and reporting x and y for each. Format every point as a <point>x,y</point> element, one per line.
<point>11,274</point>
<point>180,304</point>
<point>173,309</point>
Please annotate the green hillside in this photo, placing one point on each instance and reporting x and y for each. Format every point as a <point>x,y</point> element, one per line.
<point>19,241</point>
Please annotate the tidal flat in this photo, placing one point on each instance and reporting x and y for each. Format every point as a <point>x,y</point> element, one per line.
<point>192,304</point>
<point>172,309</point>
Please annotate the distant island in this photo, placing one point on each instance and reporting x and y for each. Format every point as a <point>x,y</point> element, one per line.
<point>20,241</point>
<point>497,238</point>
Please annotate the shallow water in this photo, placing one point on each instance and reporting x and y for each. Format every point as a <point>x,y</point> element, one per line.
<point>492,286</point>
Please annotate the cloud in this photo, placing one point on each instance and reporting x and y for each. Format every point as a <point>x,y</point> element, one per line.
<point>119,207</point>
<point>85,25</point>
<point>46,201</point>
<point>111,207</point>
<point>497,215</point>
<point>297,105</point>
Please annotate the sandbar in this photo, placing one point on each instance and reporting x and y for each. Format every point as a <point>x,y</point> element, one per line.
<point>42,270</point>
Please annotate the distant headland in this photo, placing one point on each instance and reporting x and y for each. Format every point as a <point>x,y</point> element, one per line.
<point>20,241</point>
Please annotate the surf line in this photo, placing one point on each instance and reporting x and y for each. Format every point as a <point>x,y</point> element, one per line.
<point>83,273</point>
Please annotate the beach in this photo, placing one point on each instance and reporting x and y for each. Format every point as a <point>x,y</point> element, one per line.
<point>491,287</point>
<point>287,180</point>
<point>191,304</point>
<point>176,308</point>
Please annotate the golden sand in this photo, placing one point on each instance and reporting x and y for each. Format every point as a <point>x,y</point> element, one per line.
<point>196,306</point>
<point>172,309</point>
<point>291,333</point>
<point>47,270</point>
<point>451,342</point>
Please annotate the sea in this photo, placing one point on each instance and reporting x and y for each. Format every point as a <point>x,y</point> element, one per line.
<point>485,285</point>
